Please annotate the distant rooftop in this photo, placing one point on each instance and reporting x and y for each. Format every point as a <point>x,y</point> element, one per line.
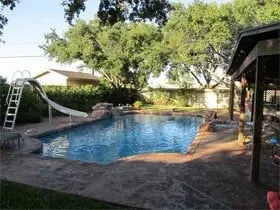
<point>71,74</point>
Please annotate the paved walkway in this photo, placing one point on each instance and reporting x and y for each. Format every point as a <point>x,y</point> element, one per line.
<point>216,176</point>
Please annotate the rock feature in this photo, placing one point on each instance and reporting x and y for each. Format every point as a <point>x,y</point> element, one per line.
<point>103,110</point>
<point>207,127</point>
<point>211,115</point>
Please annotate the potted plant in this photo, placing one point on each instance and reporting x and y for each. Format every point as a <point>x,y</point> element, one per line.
<point>137,104</point>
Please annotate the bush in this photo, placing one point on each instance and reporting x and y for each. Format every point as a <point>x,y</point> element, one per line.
<point>4,87</point>
<point>119,96</point>
<point>177,97</point>
<point>80,98</point>
<point>30,109</point>
<point>33,107</point>
<point>159,97</point>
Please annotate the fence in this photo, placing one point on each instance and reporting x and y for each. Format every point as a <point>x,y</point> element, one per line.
<point>207,98</point>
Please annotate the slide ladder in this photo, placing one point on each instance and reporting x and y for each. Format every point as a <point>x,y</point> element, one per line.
<point>13,101</point>
<point>14,96</point>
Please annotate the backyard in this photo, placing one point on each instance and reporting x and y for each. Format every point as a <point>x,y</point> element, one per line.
<point>165,104</point>
<point>142,181</point>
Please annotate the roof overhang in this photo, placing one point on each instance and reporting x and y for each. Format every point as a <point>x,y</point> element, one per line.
<point>260,41</point>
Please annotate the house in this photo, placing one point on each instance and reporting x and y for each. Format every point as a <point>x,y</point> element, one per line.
<point>66,78</point>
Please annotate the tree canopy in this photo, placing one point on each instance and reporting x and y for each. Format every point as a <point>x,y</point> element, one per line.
<point>113,11</point>
<point>125,54</point>
<point>4,20</point>
<point>200,38</point>
<point>130,40</point>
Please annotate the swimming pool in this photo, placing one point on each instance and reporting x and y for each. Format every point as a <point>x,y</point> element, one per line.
<point>108,140</point>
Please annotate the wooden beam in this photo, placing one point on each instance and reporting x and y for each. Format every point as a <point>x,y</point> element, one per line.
<point>246,35</point>
<point>248,60</point>
<point>241,136</point>
<point>231,99</point>
<point>269,47</point>
<point>258,117</point>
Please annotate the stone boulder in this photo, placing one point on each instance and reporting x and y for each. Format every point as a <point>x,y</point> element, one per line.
<point>207,127</point>
<point>102,105</point>
<point>104,110</point>
<point>211,115</point>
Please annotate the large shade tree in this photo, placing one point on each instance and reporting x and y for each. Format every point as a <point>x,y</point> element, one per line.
<point>125,54</point>
<point>113,11</point>
<point>200,38</point>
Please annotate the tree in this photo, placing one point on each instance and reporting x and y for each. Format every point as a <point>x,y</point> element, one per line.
<point>250,13</point>
<point>113,11</point>
<point>200,38</point>
<point>197,39</point>
<point>3,20</point>
<point>125,54</point>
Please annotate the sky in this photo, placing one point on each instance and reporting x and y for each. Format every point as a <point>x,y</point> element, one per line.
<point>23,34</point>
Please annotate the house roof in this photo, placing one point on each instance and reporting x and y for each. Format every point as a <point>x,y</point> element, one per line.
<point>247,39</point>
<point>71,74</point>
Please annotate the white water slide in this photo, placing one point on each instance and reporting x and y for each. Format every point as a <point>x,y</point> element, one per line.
<point>34,83</point>
<point>14,96</point>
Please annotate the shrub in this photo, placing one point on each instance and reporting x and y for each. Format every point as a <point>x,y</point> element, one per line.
<point>177,97</point>
<point>33,107</point>
<point>159,97</point>
<point>80,98</point>
<point>4,87</point>
<point>30,109</point>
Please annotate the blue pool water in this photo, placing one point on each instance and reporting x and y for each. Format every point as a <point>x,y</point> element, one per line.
<point>108,140</point>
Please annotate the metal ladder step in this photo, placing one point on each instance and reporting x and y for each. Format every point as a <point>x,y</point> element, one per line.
<point>11,114</point>
<point>13,99</point>
<point>8,128</point>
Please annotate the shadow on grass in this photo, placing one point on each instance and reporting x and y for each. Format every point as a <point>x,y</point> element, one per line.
<point>20,196</point>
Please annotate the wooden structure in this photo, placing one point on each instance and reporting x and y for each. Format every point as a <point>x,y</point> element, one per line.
<point>255,63</point>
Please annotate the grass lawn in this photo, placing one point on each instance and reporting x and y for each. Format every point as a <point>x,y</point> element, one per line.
<point>151,107</point>
<point>20,196</point>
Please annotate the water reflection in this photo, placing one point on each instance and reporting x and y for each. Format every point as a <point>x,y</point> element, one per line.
<point>108,140</point>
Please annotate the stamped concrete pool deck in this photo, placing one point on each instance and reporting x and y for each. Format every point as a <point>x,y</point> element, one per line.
<point>214,176</point>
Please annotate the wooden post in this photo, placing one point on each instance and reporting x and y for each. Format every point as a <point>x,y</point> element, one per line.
<point>258,117</point>
<point>241,136</point>
<point>253,107</point>
<point>50,114</point>
<point>231,99</point>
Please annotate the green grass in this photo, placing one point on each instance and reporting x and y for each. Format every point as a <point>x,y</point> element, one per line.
<point>149,107</point>
<point>20,196</point>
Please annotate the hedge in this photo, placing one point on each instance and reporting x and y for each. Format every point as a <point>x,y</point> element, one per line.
<point>32,107</point>
<point>164,96</point>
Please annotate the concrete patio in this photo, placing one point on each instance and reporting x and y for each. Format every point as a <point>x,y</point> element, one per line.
<point>214,176</point>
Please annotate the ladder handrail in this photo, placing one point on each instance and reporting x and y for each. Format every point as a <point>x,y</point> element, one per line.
<point>26,72</point>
